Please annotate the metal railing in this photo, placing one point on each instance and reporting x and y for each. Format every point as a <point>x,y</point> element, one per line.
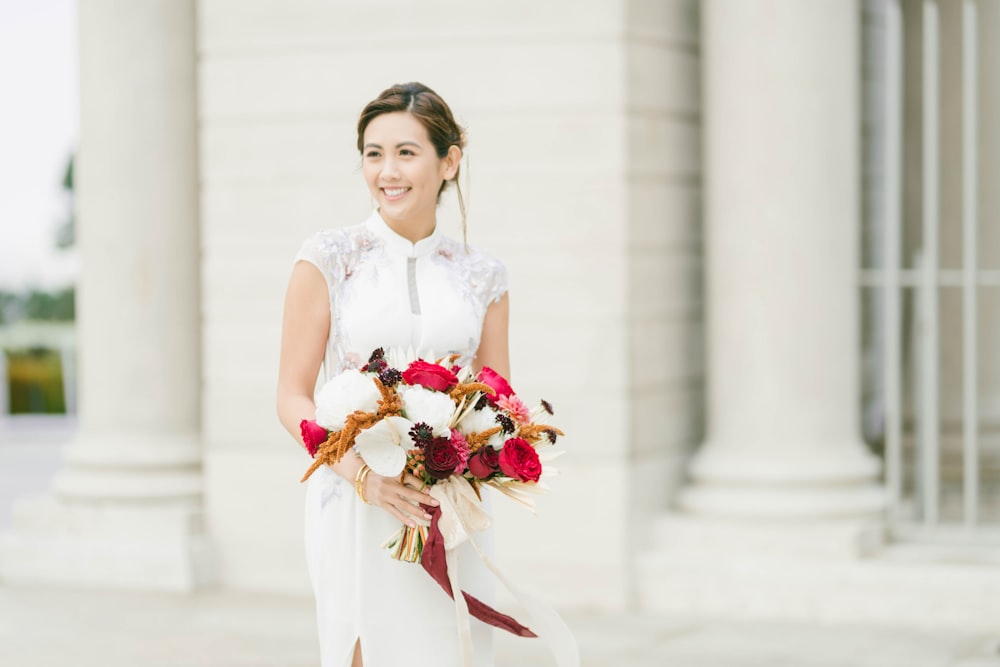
<point>909,395</point>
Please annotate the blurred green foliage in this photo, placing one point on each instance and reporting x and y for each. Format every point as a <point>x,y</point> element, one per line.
<point>55,306</point>
<point>66,234</point>
<point>35,382</point>
<point>34,373</point>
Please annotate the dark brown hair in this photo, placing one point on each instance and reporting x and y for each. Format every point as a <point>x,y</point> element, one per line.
<point>432,112</point>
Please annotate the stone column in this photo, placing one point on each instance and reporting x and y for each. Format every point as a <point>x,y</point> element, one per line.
<point>782,183</point>
<point>125,510</point>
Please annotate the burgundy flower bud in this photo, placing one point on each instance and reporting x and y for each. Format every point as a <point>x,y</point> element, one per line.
<point>484,462</point>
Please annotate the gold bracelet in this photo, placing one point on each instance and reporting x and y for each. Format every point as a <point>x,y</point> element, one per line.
<point>359,482</point>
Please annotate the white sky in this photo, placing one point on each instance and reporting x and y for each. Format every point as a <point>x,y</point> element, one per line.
<point>38,132</point>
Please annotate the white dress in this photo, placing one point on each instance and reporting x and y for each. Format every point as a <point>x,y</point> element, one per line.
<point>430,296</point>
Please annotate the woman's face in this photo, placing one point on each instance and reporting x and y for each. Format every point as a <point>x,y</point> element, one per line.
<point>402,169</point>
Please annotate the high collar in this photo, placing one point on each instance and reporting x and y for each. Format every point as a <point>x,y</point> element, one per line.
<point>400,244</point>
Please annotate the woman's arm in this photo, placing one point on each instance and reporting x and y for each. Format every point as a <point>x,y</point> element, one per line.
<point>304,332</point>
<point>493,349</point>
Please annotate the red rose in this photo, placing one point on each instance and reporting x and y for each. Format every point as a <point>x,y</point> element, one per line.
<point>519,460</point>
<point>313,435</point>
<point>496,382</point>
<point>431,376</point>
<point>484,462</point>
<point>441,457</point>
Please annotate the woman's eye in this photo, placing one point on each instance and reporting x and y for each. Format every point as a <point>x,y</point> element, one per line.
<point>406,151</point>
<point>371,154</point>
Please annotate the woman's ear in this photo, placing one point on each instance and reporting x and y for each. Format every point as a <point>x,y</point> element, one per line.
<point>451,162</point>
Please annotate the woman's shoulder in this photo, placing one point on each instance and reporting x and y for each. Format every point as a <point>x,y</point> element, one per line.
<point>463,254</point>
<point>478,269</point>
<point>337,249</point>
<point>336,239</point>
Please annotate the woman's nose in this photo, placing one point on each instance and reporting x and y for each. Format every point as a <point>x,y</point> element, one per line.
<point>389,168</point>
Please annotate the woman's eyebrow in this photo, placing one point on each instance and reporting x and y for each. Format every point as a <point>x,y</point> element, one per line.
<point>399,145</point>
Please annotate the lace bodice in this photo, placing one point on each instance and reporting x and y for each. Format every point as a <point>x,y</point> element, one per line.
<point>385,291</point>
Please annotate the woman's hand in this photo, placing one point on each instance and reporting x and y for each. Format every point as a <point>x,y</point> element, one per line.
<point>402,500</point>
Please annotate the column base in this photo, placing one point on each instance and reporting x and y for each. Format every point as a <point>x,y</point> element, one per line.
<point>782,504</point>
<point>155,547</point>
<point>828,482</point>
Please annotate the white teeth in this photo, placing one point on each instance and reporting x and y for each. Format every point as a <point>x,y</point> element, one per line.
<point>394,192</point>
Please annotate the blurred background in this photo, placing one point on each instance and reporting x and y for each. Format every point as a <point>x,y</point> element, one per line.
<point>753,248</point>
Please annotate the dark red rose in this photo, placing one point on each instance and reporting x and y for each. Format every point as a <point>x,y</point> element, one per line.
<point>484,462</point>
<point>519,460</point>
<point>497,382</point>
<point>431,376</point>
<point>441,457</point>
<point>313,435</point>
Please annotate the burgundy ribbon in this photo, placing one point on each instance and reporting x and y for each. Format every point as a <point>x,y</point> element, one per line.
<point>433,560</point>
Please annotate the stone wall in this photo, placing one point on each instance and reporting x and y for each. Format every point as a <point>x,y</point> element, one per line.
<point>583,176</point>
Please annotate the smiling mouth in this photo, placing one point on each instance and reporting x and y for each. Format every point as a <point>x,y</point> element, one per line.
<point>394,193</point>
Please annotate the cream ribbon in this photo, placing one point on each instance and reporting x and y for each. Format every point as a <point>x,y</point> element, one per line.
<point>462,514</point>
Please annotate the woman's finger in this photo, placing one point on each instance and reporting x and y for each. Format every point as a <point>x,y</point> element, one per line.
<point>413,495</point>
<point>414,508</point>
<point>412,512</point>
<point>412,481</point>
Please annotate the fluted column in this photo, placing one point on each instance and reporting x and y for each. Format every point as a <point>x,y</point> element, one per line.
<point>782,182</point>
<point>125,510</point>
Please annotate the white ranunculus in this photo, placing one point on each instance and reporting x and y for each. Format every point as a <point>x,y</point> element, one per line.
<point>430,407</point>
<point>349,391</point>
<point>477,421</point>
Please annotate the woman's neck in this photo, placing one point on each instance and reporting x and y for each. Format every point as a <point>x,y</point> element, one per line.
<point>412,230</point>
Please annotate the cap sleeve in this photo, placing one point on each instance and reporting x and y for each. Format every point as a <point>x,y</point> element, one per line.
<point>496,286</point>
<point>318,250</point>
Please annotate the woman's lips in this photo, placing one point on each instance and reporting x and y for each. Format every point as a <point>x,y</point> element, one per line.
<point>393,194</point>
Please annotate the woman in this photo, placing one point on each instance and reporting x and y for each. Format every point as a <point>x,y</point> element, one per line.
<point>391,281</point>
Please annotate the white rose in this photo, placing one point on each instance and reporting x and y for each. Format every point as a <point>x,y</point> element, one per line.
<point>478,421</point>
<point>430,407</point>
<point>349,391</point>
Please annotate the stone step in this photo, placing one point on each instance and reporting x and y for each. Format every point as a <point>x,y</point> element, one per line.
<point>814,573</point>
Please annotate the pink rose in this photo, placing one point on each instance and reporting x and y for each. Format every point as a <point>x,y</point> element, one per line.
<point>431,376</point>
<point>495,381</point>
<point>519,460</point>
<point>484,462</point>
<point>441,457</point>
<point>313,435</point>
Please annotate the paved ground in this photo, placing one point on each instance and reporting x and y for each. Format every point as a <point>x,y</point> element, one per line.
<point>30,453</point>
<point>59,628</point>
<point>45,628</point>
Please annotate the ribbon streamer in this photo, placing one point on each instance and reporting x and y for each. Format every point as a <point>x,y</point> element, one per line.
<point>438,563</point>
<point>460,513</point>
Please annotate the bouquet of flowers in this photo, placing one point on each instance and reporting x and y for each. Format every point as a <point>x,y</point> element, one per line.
<point>457,431</point>
<point>440,423</point>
